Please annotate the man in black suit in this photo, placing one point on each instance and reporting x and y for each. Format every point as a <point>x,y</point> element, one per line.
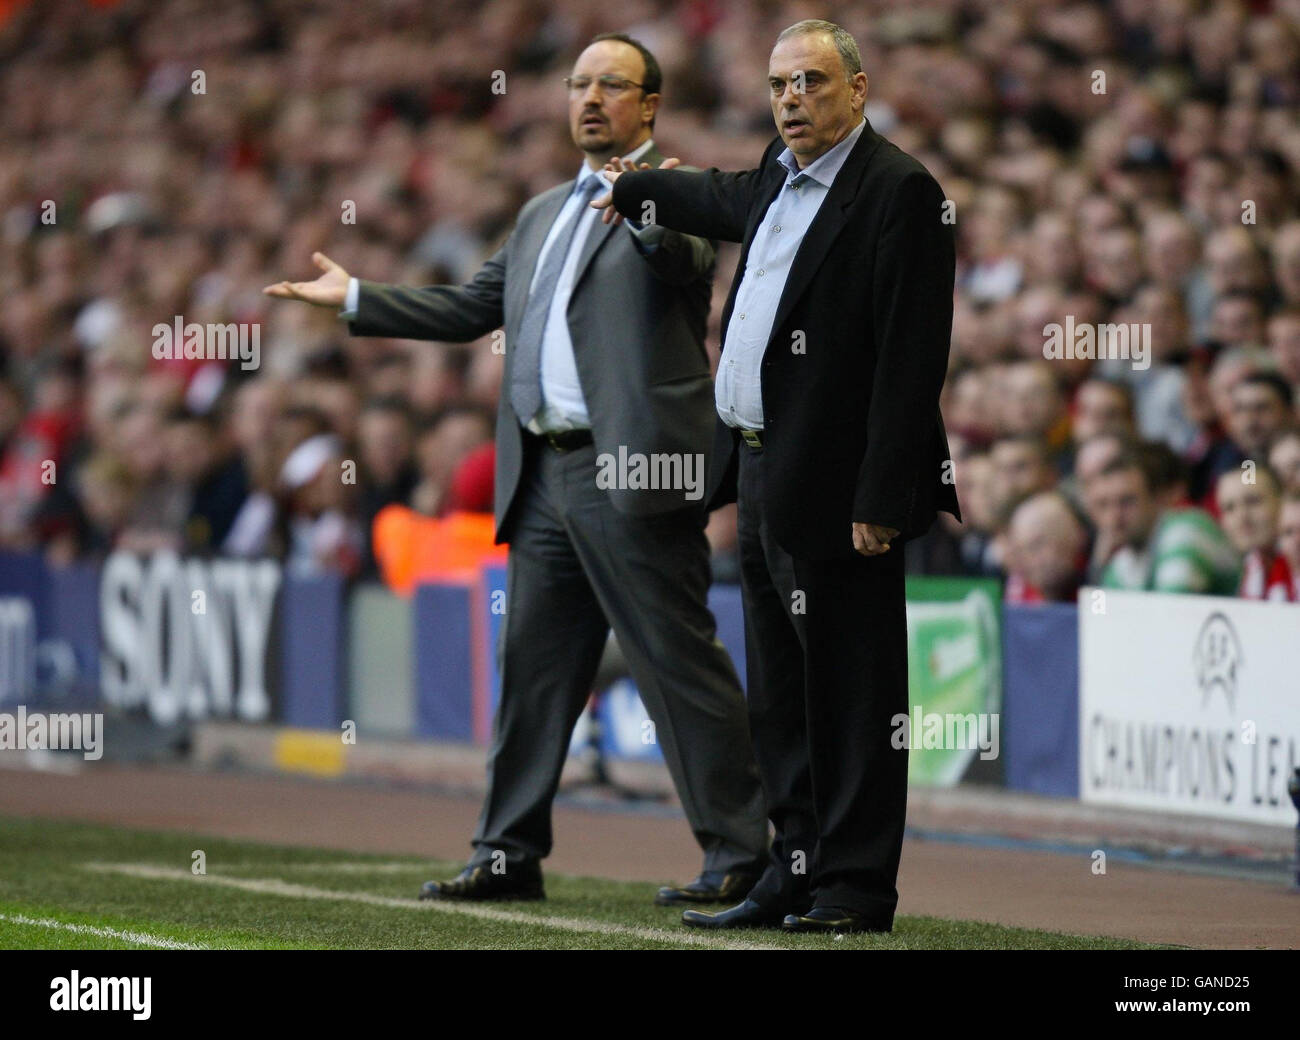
<point>604,366</point>
<point>835,347</point>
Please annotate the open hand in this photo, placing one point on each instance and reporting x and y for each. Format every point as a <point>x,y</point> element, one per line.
<point>614,169</point>
<point>329,290</point>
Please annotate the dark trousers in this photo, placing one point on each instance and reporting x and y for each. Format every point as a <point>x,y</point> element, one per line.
<point>577,567</point>
<point>827,672</point>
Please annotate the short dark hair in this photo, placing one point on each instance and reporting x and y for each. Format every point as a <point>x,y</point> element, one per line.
<point>1123,389</point>
<point>1165,469</point>
<point>1131,458</point>
<point>1158,464</point>
<point>1273,381</point>
<point>652,80</point>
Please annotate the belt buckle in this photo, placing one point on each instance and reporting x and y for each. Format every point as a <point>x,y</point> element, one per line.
<point>752,438</point>
<point>554,441</point>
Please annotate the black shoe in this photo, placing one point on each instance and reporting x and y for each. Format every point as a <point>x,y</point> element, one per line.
<point>713,886</point>
<point>477,882</point>
<point>744,915</point>
<point>834,919</point>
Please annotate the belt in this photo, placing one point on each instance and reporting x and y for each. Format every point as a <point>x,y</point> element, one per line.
<point>754,438</point>
<point>563,440</point>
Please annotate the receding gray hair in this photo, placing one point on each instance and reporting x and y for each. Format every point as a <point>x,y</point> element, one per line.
<point>841,37</point>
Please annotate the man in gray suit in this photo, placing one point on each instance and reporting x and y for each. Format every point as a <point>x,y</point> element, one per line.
<point>603,433</point>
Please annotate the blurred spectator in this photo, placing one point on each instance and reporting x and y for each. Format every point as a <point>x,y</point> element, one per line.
<point>1168,473</point>
<point>1249,510</point>
<point>1284,343</point>
<point>977,484</point>
<point>322,536</point>
<point>1288,538</point>
<point>1141,545</point>
<point>1286,259</point>
<point>387,473</point>
<point>200,460</point>
<point>1237,320</point>
<point>1033,404</point>
<point>1021,467</point>
<point>105,492</point>
<point>1046,551</point>
<point>1258,407</point>
<point>441,446</point>
<point>1101,406</point>
<point>1284,459</point>
<point>1261,408</point>
<point>33,448</point>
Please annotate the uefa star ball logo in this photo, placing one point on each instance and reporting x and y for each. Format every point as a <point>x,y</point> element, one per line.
<point>1217,657</point>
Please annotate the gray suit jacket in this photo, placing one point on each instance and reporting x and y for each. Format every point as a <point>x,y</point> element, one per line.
<point>637,321</point>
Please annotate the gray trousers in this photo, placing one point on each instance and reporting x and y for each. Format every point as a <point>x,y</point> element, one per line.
<point>577,568</point>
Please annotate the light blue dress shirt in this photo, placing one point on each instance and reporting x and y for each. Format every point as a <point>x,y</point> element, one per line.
<point>563,405</point>
<point>738,390</point>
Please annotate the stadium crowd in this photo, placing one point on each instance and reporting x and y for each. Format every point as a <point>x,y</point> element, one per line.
<point>1126,163</point>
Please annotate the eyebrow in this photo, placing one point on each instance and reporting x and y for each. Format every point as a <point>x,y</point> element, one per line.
<point>807,74</point>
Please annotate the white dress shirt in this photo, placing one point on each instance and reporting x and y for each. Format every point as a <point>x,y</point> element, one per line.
<point>738,391</point>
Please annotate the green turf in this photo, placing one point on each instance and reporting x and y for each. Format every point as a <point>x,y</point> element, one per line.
<point>47,873</point>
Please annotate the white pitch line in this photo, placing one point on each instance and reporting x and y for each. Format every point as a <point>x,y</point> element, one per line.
<point>276,887</point>
<point>139,938</point>
<point>357,867</point>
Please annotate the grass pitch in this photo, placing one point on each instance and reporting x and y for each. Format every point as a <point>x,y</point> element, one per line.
<point>79,886</point>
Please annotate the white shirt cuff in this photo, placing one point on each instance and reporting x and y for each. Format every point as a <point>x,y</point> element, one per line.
<point>352,301</point>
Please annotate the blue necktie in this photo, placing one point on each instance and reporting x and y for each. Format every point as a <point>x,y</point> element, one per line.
<point>526,372</point>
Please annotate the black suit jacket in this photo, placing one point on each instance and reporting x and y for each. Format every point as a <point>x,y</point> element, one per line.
<point>852,424</point>
<point>637,322</point>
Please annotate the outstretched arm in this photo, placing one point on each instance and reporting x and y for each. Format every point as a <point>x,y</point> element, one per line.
<point>454,313</point>
<point>706,203</point>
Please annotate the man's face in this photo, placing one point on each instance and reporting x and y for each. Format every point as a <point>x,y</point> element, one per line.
<point>190,450</point>
<point>1284,458</point>
<point>257,404</point>
<point>1257,415</point>
<point>1100,409</point>
<point>1019,469</point>
<point>1094,456</point>
<point>813,104</point>
<point>1286,263</point>
<point>1284,342</point>
<point>1123,508</point>
<point>1031,403</point>
<point>605,122</point>
<point>1237,321</point>
<point>1288,534</point>
<point>975,492</point>
<point>444,447</point>
<point>1045,543</point>
<point>1247,512</point>
<point>385,441</point>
